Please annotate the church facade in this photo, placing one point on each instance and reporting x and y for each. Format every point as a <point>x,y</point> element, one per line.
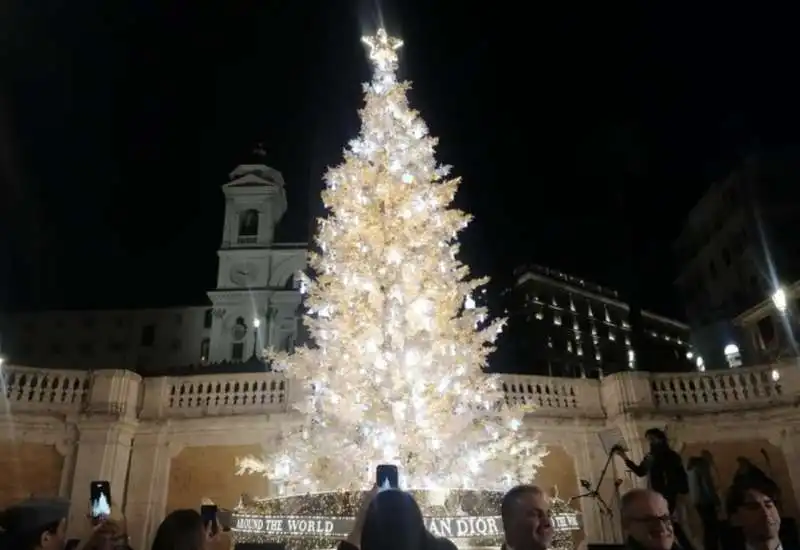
<point>254,305</point>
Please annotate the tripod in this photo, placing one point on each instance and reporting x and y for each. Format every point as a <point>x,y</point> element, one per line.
<point>594,493</point>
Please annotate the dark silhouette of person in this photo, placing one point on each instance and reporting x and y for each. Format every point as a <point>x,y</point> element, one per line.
<point>703,492</point>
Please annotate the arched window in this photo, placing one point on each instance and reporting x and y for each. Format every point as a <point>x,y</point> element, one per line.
<point>204,348</point>
<point>239,329</point>
<point>208,318</point>
<point>248,225</point>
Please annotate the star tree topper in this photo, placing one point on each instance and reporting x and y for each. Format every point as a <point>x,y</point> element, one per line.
<point>383,48</point>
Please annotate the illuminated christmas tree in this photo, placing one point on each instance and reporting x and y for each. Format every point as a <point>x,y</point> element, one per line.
<point>396,373</point>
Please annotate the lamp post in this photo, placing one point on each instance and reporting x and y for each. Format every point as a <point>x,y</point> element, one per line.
<point>779,299</point>
<point>256,324</point>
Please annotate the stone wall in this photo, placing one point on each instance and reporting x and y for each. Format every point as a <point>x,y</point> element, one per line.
<point>28,469</point>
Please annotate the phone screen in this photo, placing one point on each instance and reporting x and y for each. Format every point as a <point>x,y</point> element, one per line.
<point>100,499</point>
<point>386,477</point>
<point>209,514</point>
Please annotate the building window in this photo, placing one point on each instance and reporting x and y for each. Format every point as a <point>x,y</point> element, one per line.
<point>557,319</point>
<point>248,226</point>
<point>726,256</point>
<point>204,347</point>
<point>207,318</point>
<point>767,331</point>
<point>237,351</point>
<point>148,335</point>
<point>611,335</point>
<point>712,269</point>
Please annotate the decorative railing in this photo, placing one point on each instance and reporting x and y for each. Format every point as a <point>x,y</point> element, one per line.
<point>743,388</point>
<point>30,389</point>
<point>26,389</point>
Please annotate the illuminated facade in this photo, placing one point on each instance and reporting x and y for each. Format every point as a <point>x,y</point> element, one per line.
<point>737,247</point>
<point>565,326</point>
<point>255,281</point>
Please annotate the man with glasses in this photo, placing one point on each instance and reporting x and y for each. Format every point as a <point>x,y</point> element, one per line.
<point>646,521</point>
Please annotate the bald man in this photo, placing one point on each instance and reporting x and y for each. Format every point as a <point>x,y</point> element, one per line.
<point>646,521</point>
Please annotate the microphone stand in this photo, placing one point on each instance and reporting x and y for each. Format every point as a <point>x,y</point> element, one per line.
<point>594,492</point>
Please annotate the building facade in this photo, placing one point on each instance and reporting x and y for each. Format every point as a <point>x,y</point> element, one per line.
<point>566,326</point>
<point>171,442</point>
<point>254,306</point>
<point>737,247</point>
<point>769,332</point>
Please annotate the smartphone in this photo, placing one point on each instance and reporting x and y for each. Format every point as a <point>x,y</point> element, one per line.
<point>100,499</point>
<point>209,514</point>
<point>386,476</point>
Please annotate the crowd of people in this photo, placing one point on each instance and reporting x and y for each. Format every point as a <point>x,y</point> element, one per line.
<point>392,520</point>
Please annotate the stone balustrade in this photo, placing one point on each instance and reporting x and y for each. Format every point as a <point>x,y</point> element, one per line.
<point>62,391</point>
<point>43,390</point>
<point>131,430</point>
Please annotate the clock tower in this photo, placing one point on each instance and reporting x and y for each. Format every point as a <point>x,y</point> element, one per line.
<point>257,299</point>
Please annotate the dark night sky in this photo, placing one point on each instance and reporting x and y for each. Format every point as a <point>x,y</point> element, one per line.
<point>120,120</point>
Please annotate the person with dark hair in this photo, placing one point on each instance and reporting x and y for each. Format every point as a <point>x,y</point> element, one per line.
<point>389,520</point>
<point>662,466</point>
<point>181,530</point>
<point>526,519</point>
<point>752,506</point>
<point>393,521</point>
<point>646,521</point>
<point>35,524</point>
<point>748,473</point>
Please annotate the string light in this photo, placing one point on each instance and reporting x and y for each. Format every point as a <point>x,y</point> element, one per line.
<point>396,373</point>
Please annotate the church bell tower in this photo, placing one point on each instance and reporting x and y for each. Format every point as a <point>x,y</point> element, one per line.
<point>256,302</point>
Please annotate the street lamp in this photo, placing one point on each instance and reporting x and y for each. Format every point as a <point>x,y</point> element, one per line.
<point>256,324</point>
<point>779,299</point>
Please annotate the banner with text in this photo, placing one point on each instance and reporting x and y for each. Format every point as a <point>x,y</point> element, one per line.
<point>463,527</point>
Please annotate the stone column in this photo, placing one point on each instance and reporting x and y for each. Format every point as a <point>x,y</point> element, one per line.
<point>103,453</point>
<point>105,431</point>
<point>68,448</point>
<point>148,485</point>
<point>599,525</point>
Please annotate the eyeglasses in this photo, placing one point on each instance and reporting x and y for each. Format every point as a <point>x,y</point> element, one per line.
<point>654,521</point>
